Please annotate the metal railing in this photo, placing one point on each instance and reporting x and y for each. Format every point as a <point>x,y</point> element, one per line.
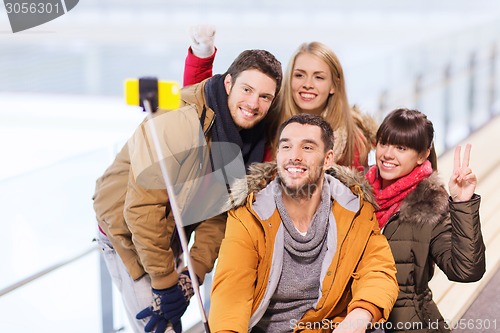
<point>477,84</point>
<point>43,272</point>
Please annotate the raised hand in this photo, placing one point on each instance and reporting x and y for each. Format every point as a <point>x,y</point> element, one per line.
<point>463,181</point>
<point>202,40</point>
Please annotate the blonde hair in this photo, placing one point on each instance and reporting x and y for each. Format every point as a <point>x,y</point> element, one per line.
<point>337,111</point>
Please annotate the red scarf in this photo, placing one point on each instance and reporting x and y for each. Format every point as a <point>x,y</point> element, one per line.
<point>389,199</point>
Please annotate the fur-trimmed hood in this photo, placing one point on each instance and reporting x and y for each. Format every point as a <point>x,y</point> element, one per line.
<point>428,203</point>
<point>261,174</point>
<point>366,123</point>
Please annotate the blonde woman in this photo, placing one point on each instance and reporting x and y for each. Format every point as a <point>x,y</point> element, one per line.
<point>313,83</point>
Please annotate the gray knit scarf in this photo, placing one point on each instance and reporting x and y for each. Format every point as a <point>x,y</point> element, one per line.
<point>309,246</point>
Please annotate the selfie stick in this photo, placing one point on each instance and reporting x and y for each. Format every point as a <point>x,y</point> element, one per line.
<point>150,94</point>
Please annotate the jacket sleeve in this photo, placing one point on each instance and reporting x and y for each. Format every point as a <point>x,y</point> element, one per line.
<point>235,278</point>
<point>145,211</point>
<point>111,187</point>
<point>457,243</point>
<point>205,249</point>
<point>109,198</point>
<point>147,199</point>
<point>376,271</point>
<point>197,69</point>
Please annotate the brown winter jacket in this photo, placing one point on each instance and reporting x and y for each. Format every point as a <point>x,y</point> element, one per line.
<point>430,229</point>
<point>361,271</point>
<point>132,210</point>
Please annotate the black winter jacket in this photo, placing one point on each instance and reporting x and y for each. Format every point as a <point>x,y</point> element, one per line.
<point>431,229</point>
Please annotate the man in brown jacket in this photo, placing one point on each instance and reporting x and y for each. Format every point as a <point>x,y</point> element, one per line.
<point>132,205</point>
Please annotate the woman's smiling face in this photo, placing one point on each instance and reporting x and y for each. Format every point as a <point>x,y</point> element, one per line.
<point>311,83</point>
<point>394,162</point>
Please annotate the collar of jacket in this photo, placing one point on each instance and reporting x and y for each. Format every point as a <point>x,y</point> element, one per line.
<point>264,205</point>
<point>261,174</point>
<point>195,95</point>
<point>427,204</point>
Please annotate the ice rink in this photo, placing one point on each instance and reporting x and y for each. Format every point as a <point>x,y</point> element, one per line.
<point>63,117</point>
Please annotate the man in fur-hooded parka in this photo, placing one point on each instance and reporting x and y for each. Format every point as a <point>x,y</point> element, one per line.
<point>260,282</point>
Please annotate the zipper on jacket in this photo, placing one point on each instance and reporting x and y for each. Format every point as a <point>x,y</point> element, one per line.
<point>341,246</point>
<point>211,122</point>
<point>205,133</point>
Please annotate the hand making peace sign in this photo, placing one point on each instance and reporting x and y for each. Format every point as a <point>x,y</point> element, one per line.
<point>462,182</point>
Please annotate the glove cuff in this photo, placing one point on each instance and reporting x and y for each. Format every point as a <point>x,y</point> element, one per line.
<point>186,285</point>
<point>203,51</point>
<point>164,291</point>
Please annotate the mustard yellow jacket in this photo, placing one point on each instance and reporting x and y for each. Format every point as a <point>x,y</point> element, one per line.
<point>361,272</point>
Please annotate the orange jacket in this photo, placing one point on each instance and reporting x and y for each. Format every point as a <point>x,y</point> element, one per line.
<point>361,273</point>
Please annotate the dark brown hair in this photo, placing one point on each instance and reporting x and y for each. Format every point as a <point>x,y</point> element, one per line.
<point>260,60</point>
<point>411,129</point>
<point>310,119</point>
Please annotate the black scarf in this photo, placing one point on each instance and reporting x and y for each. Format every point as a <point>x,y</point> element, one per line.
<point>251,142</point>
